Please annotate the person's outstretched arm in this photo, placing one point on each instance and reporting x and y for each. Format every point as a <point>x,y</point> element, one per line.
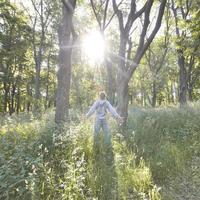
<point>92,109</point>
<point>113,111</point>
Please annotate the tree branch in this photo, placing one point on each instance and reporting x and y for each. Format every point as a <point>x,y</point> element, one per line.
<point>119,15</point>
<point>144,30</point>
<point>33,3</point>
<point>140,52</point>
<point>176,17</point>
<point>95,13</point>
<point>106,25</point>
<point>105,14</point>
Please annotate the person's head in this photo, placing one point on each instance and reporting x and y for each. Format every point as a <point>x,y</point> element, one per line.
<point>102,95</point>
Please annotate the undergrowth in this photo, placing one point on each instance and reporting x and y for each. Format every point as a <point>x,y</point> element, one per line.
<point>40,161</point>
<point>168,139</point>
<point>145,161</point>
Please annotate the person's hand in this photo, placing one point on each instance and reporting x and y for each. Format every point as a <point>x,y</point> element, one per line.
<point>120,120</point>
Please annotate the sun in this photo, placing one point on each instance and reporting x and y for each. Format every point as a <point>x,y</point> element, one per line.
<point>93,47</point>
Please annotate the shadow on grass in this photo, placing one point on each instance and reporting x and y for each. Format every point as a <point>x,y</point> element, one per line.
<point>104,171</point>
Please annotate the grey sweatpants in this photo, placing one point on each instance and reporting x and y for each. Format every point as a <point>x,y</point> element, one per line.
<point>102,123</point>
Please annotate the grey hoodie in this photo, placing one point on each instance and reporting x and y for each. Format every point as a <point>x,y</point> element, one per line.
<point>101,107</point>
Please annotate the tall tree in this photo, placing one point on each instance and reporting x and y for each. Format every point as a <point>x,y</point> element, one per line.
<point>126,69</point>
<point>192,51</point>
<point>156,57</point>
<point>14,40</point>
<point>67,37</point>
<point>40,22</point>
<point>181,58</point>
<point>187,45</point>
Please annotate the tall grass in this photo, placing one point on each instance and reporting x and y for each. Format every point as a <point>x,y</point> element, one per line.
<point>38,163</point>
<point>168,139</point>
<point>145,161</point>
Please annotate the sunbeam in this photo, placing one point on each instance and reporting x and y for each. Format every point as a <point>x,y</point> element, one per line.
<point>93,47</point>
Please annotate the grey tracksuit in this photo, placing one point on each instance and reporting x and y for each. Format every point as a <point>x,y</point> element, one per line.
<point>101,107</point>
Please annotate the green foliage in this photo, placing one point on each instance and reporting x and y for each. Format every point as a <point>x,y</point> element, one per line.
<point>167,138</point>
<point>40,161</point>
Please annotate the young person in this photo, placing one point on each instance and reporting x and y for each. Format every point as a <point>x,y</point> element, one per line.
<point>101,106</point>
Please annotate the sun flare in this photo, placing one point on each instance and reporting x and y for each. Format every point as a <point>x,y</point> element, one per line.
<point>93,47</point>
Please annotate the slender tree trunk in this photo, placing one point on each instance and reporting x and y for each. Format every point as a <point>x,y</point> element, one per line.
<point>28,106</point>
<point>5,101</point>
<point>182,80</point>
<point>29,92</point>
<point>37,81</point>
<point>189,77</point>
<point>6,94</point>
<point>47,82</point>
<point>12,107</point>
<point>154,94</point>
<point>168,94</point>
<point>171,93</point>
<point>18,100</point>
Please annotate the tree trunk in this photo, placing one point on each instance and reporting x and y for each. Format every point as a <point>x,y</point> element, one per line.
<point>190,93</point>
<point>37,81</point>
<point>47,82</point>
<point>154,94</point>
<point>172,93</point>
<point>78,92</point>
<point>29,92</point>
<point>122,80</point>
<point>122,97</point>
<point>18,100</point>
<point>182,80</point>
<point>189,78</point>
<point>6,93</point>
<point>64,71</point>
<point>12,107</point>
<point>168,94</point>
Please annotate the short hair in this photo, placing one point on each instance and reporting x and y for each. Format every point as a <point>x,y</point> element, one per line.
<point>102,95</point>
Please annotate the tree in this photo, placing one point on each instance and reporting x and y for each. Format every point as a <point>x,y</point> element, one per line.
<point>192,50</point>
<point>14,39</point>
<point>126,69</point>
<point>40,23</point>
<point>67,37</point>
<point>187,45</point>
<point>156,57</point>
